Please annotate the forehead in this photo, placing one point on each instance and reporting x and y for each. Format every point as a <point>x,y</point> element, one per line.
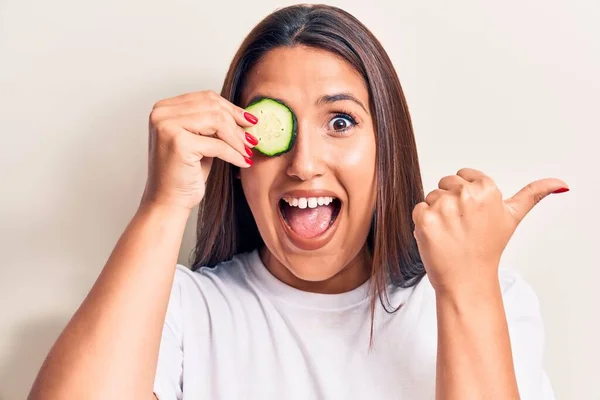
<point>302,74</point>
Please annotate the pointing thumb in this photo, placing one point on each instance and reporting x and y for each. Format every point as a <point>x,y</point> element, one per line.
<point>524,201</point>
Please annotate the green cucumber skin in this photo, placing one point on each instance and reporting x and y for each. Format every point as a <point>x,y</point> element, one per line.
<point>294,127</point>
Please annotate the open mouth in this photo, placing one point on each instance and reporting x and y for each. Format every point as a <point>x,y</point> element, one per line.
<point>309,217</point>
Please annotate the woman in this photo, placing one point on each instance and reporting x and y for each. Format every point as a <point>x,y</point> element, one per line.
<point>319,273</point>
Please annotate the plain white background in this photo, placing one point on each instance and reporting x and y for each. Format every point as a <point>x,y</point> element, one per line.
<point>510,88</point>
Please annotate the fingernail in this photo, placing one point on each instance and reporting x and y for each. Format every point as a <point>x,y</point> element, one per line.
<point>249,161</point>
<point>561,190</point>
<point>248,151</point>
<point>250,118</point>
<point>251,139</point>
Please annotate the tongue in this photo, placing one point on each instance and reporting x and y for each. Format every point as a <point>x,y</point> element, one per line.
<point>309,222</point>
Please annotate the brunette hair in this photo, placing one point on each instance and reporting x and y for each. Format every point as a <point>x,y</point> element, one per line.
<point>226,225</point>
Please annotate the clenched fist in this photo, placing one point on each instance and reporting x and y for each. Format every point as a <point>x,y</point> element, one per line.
<point>463,227</point>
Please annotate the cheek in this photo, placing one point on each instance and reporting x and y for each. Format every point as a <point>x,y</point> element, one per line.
<point>357,170</point>
<point>256,182</point>
<point>360,157</point>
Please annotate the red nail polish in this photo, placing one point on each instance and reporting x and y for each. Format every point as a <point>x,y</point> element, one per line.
<point>251,139</point>
<point>250,118</point>
<point>561,190</point>
<point>248,151</point>
<point>249,161</point>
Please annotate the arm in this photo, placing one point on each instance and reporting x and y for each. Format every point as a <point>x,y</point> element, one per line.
<point>109,349</point>
<point>461,230</point>
<point>474,359</point>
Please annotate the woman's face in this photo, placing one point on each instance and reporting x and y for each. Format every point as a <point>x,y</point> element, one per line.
<point>320,248</point>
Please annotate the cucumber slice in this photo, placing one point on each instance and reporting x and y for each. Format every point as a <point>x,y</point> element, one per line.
<point>276,127</point>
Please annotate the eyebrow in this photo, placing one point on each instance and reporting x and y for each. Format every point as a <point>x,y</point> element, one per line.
<point>332,98</point>
<point>325,99</point>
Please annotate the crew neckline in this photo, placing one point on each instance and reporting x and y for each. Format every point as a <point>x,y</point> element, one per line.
<point>301,298</point>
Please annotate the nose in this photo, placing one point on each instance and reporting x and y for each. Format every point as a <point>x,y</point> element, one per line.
<point>306,157</point>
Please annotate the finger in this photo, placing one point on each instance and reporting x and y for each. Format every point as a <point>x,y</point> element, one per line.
<point>243,119</point>
<point>471,175</point>
<point>434,196</point>
<point>241,116</point>
<point>184,98</point>
<point>198,106</point>
<point>216,124</point>
<point>240,134</point>
<point>524,201</point>
<point>418,211</point>
<point>247,140</point>
<point>204,146</point>
<point>452,183</point>
<point>164,112</point>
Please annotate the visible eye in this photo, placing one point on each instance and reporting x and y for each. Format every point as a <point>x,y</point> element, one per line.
<point>341,122</point>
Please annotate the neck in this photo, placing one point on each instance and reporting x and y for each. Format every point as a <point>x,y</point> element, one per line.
<point>355,272</point>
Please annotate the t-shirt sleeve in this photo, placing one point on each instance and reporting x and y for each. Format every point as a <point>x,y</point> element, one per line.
<point>526,330</point>
<point>168,380</point>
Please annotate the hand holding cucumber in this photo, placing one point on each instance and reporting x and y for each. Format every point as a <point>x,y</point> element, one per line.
<point>186,133</point>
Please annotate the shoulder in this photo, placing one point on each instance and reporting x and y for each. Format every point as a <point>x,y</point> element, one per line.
<point>223,278</point>
<point>515,289</point>
<point>527,335</point>
<point>226,270</point>
<point>520,299</point>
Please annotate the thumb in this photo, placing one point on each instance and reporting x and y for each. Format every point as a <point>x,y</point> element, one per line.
<point>524,201</point>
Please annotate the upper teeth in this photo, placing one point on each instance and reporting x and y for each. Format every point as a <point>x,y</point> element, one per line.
<point>310,202</point>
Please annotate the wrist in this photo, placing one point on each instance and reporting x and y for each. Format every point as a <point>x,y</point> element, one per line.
<point>164,210</point>
<point>470,294</point>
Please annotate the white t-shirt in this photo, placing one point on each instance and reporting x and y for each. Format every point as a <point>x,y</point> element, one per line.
<point>236,332</point>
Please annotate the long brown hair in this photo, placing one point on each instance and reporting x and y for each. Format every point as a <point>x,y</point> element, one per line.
<point>226,225</point>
